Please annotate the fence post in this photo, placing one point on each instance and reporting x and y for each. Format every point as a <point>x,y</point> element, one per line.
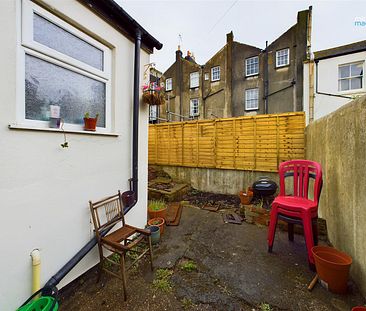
<point>235,146</point>
<point>255,142</point>
<point>156,145</point>
<point>278,140</point>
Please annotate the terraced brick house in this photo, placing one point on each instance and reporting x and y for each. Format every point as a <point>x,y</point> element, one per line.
<point>240,79</point>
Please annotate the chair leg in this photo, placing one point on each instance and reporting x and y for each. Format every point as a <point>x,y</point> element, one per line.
<point>308,234</point>
<point>315,231</point>
<point>272,228</point>
<point>123,275</point>
<point>150,253</point>
<point>290,231</point>
<point>101,261</point>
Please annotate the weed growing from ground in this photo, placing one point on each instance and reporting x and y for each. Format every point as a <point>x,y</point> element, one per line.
<point>189,266</point>
<point>186,303</point>
<point>265,307</point>
<point>162,280</point>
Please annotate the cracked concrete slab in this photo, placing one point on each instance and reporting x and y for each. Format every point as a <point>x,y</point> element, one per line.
<point>237,257</point>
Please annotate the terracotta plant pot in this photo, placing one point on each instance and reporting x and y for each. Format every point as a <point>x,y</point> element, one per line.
<point>90,124</point>
<point>245,197</point>
<point>157,214</point>
<point>332,267</point>
<point>159,222</point>
<point>359,308</point>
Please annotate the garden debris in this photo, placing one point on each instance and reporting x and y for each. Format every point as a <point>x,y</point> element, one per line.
<point>221,201</point>
<point>313,283</point>
<point>174,214</point>
<point>210,208</point>
<point>232,218</point>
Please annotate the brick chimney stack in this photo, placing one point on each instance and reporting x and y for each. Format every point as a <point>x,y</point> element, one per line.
<point>229,37</point>
<point>178,53</point>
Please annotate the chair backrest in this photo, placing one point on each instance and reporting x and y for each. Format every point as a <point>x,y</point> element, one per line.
<point>301,171</point>
<point>107,212</point>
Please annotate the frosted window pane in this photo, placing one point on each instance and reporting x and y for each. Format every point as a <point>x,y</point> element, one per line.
<point>48,84</point>
<point>344,85</point>
<point>356,83</point>
<point>343,72</point>
<point>63,41</point>
<point>356,69</point>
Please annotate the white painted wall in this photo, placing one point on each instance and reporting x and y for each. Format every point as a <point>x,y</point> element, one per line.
<point>45,189</point>
<point>328,83</point>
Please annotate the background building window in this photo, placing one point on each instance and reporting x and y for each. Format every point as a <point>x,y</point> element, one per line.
<point>207,76</point>
<point>282,57</point>
<point>251,99</point>
<point>215,73</point>
<point>168,84</point>
<point>350,76</point>
<point>194,79</point>
<point>194,107</point>
<point>62,67</point>
<point>153,113</point>
<point>252,66</point>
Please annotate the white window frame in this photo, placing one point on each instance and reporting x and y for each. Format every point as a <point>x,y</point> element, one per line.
<point>194,80</point>
<point>207,76</point>
<point>350,90</point>
<point>248,65</point>
<point>168,84</point>
<point>194,104</point>
<point>33,48</point>
<point>246,99</point>
<point>278,56</point>
<point>215,71</point>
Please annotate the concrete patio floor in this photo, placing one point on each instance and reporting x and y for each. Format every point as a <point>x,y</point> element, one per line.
<point>235,272</point>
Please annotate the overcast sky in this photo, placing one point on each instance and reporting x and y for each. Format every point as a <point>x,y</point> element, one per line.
<point>202,25</point>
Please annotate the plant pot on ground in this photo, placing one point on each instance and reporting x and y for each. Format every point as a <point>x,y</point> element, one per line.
<point>246,197</point>
<point>155,234</point>
<point>158,221</point>
<point>157,208</point>
<point>90,124</point>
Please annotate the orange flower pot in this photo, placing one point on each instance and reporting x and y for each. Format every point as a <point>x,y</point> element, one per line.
<point>159,222</point>
<point>157,214</point>
<point>90,124</point>
<point>332,267</point>
<point>245,197</point>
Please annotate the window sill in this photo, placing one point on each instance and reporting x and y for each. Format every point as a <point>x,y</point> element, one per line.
<point>40,129</point>
<point>254,75</point>
<point>282,66</point>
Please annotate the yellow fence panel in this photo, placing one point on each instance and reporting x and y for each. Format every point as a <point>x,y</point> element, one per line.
<point>256,143</point>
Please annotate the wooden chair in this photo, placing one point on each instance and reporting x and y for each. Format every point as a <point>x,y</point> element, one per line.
<point>107,213</point>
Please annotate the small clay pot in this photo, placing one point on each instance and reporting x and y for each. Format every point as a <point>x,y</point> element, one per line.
<point>159,222</point>
<point>90,124</point>
<point>245,197</point>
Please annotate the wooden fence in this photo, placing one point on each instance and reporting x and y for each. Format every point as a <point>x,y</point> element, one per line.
<point>257,143</point>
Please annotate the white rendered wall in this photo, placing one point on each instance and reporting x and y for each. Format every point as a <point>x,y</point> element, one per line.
<point>328,83</point>
<point>45,189</point>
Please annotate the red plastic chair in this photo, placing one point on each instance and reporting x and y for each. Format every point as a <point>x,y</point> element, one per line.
<point>298,208</point>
